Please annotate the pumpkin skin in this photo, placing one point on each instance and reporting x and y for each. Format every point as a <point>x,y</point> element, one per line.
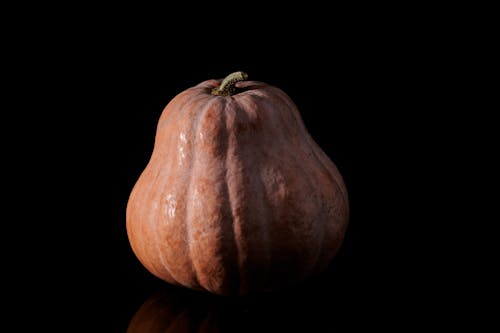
<point>237,197</point>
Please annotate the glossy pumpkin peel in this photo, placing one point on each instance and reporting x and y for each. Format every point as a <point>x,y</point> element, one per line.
<point>237,197</point>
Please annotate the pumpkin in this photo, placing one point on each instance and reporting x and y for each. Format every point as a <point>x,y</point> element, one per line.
<point>237,197</point>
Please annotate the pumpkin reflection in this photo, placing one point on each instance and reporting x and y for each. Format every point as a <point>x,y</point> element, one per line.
<point>174,310</point>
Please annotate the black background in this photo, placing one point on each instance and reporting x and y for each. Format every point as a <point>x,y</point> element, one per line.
<point>93,87</point>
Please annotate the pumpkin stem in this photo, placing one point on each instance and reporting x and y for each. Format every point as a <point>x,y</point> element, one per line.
<point>227,87</point>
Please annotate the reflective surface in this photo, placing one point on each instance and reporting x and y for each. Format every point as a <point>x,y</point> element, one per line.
<point>173,309</point>
<point>325,303</point>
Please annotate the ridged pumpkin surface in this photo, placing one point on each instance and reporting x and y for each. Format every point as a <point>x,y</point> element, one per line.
<point>237,197</point>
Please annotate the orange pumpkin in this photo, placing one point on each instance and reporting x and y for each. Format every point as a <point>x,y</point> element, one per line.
<point>237,197</point>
